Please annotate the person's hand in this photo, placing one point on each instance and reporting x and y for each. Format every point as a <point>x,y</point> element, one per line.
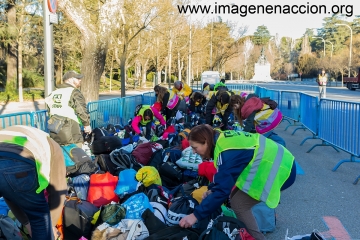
<point>188,221</point>
<point>87,129</point>
<point>205,194</point>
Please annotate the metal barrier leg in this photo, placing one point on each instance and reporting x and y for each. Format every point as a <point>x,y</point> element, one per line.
<point>295,124</point>
<point>285,119</point>
<point>307,138</point>
<point>324,144</point>
<point>302,127</point>
<point>352,159</point>
<point>356,180</point>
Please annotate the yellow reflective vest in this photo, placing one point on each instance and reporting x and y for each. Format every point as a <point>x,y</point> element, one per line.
<point>267,171</point>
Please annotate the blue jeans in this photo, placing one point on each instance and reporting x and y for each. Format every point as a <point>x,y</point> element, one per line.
<point>276,138</point>
<point>18,181</point>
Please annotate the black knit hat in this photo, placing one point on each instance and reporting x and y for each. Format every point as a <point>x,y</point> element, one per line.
<point>205,85</point>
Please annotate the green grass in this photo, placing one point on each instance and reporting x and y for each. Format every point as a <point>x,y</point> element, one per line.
<point>37,94</point>
<point>29,95</point>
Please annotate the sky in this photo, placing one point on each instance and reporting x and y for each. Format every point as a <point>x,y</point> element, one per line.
<point>290,25</point>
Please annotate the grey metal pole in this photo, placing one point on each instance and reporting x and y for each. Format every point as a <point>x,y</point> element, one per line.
<point>351,34</point>
<point>48,51</point>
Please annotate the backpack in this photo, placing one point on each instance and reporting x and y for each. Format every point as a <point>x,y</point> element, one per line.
<point>127,229</point>
<point>8,229</point>
<point>173,154</point>
<point>124,160</point>
<point>272,104</point>
<point>174,233</point>
<point>101,189</point>
<point>152,222</point>
<point>112,214</point>
<point>143,152</point>
<point>98,133</point>
<point>81,185</point>
<point>77,161</point>
<point>171,175</point>
<point>180,207</point>
<point>105,164</point>
<point>77,218</point>
<point>136,205</point>
<point>225,228</point>
<point>137,109</point>
<point>265,217</point>
<point>127,183</point>
<point>105,145</point>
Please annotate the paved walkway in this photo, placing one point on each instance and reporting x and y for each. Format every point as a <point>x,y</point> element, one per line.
<point>319,199</point>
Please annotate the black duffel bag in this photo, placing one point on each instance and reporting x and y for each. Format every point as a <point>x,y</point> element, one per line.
<point>105,145</point>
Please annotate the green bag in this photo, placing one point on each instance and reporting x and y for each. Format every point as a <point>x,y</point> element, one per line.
<point>113,213</point>
<point>228,211</point>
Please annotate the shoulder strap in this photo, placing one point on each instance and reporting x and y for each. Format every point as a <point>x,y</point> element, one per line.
<point>165,221</point>
<point>116,153</point>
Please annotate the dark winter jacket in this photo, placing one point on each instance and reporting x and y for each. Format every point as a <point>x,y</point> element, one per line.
<point>196,109</point>
<point>211,105</point>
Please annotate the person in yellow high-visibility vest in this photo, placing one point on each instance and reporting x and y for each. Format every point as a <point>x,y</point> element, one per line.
<point>182,90</point>
<point>258,167</point>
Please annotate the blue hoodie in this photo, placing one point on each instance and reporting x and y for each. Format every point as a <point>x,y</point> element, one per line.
<point>230,164</point>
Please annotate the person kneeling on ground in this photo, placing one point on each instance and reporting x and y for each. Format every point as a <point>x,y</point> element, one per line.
<point>218,105</point>
<point>197,103</point>
<point>261,115</point>
<point>236,156</point>
<point>144,116</point>
<point>30,162</point>
<point>182,90</point>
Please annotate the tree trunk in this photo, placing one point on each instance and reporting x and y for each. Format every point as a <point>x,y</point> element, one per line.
<point>20,52</point>
<point>95,38</point>
<point>11,56</point>
<point>123,73</point>
<point>58,66</point>
<point>144,70</point>
<point>159,76</point>
<point>92,66</point>
<point>111,70</point>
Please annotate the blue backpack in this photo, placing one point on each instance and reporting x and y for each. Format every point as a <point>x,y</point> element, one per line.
<point>77,162</point>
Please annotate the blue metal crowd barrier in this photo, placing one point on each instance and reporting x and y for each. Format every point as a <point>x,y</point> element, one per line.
<point>309,114</point>
<point>128,107</point>
<point>289,105</point>
<point>40,120</point>
<point>242,87</point>
<point>104,112</point>
<point>20,118</point>
<point>339,125</point>
<point>149,98</point>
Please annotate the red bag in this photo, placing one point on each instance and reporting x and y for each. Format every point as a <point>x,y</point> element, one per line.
<point>143,153</point>
<point>101,189</point>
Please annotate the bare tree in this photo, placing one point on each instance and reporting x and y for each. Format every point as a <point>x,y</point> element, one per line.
<point>95,20</point>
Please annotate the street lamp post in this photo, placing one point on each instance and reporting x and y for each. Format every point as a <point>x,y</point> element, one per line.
<point>351,34</point>
<point>323,42</point>
<point>332,48</point>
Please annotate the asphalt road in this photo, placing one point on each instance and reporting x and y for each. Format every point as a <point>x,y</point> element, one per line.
<point>333,92</point>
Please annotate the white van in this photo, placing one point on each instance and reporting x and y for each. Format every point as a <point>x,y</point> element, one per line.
<point>211,77</point>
